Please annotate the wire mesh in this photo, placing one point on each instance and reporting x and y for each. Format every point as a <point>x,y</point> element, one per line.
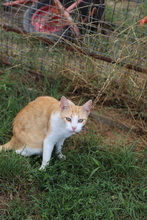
<point>107,30</point>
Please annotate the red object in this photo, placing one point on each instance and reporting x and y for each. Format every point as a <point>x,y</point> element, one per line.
<point>48,19</point>
<point>143,21</point>
<point>51,18</point>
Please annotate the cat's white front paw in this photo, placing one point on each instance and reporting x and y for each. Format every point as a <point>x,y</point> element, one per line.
<point>61,156</point>
<point>43,166</point>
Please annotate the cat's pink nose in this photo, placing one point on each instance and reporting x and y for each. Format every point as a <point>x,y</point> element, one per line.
<point>73,128</point>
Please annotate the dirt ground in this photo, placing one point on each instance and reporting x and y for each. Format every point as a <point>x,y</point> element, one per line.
<point>117,129</point>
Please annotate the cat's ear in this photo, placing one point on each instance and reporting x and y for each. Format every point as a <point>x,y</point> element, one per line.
<point>87,107</point>
<point>64,105</point>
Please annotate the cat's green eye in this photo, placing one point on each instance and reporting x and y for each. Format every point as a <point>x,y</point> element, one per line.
<point>68,119</point>
<point>80,120</point>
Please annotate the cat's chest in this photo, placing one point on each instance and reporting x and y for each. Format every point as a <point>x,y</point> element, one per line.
<point>58,128</point>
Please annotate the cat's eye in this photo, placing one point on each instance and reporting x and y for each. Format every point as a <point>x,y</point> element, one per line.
<point>80,120</point>
<point>68,119</point>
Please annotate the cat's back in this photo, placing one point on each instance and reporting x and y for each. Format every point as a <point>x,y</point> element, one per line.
<point>42,106</point>
<point>43,102</point>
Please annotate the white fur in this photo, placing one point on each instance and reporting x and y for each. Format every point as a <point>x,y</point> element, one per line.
<point>27,152</point>
<point>59,131</point>
<point>74,124</point>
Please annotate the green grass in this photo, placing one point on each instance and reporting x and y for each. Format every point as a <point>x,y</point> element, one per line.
<point>95,182</point>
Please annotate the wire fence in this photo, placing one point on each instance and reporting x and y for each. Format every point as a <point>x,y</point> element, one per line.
<point>113,32</point>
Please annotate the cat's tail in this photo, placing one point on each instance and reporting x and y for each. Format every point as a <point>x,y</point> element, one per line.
<point>8,146</point>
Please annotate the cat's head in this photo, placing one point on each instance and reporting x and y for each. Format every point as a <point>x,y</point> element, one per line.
<point>74,116</point>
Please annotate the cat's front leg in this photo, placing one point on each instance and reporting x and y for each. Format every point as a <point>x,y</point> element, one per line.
<point>59,145</point>
<point>48,146</point>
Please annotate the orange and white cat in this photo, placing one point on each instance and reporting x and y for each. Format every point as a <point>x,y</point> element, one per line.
<point>45,123</point>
